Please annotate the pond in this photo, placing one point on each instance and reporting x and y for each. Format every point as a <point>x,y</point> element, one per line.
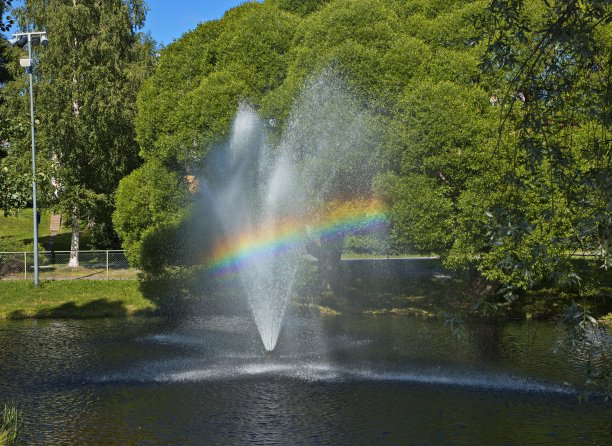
<point>332,380</point>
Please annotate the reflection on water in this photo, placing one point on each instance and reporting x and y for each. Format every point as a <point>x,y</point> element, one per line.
<point>353,380</point>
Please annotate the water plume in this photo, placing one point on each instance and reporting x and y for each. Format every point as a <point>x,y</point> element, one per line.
<point>271,199</point>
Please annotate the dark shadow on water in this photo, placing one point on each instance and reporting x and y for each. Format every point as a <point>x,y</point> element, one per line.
<point>487,337</point>
<point>188,292</point>
<point>93,309</point>
<point>416,287</point>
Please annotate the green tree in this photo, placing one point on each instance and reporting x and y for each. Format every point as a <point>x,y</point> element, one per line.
<point>149,197</point>
<point>189,102</point>
<point>5,22</point>
<point>10,196</point>
<point>438,130</point>
<point>549,65</point>
<point>339,84</point>
<point>301,7</point>
<point>355,39</point>
<point>86,85</point>
<point>334,140</point>
<point>268,57</point>
<point>439,144</point>
<point>187,105</point>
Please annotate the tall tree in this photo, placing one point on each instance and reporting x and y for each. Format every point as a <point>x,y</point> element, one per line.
<point>7,198</point>
<point>549,65</point>
<point>86,85</point>
<point>187,105</point>
<point>189,102</point>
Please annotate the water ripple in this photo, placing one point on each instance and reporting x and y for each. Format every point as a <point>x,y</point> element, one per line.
<point>330,373</point>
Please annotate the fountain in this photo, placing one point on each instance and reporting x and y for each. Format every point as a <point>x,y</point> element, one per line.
<point>353,379</point>
<point>269,197</point>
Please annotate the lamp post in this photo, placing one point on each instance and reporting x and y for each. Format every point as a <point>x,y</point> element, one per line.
<point>20,40</point>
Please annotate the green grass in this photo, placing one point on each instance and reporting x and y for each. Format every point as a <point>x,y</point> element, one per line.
<point>20,226</point>
<point>72,299</point>
<point>354,255</point>
<point>11,423</point>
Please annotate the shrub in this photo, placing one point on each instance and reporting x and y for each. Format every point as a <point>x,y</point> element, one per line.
<point>148,197</point>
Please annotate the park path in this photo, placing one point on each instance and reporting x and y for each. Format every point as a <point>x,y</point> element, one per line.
<point>55,224</point>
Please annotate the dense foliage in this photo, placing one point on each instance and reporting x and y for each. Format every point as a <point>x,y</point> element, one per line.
<point>149,197</point>
<point>494,117</point>
<point>549,66</point>
<point>187,105</point>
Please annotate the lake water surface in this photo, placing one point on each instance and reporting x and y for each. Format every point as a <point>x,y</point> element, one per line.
<point>333,380</point>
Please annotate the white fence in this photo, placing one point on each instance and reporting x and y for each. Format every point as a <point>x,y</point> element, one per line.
<point>53,265</point>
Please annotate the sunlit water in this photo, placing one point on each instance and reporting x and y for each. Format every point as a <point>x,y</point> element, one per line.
<point>347,380</point>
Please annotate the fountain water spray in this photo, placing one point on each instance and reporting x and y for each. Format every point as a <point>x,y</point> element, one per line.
<point>266,195</point>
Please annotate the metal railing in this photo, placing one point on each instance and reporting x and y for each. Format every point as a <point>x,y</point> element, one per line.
<point>54,265</point>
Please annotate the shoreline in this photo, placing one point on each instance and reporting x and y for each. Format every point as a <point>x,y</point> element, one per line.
<point>87,299</point>
<point>72,299</point>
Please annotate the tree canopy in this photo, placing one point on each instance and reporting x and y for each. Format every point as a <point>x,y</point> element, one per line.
<point>188,103</point>
<point>492,115</point>
<point>548,65</point>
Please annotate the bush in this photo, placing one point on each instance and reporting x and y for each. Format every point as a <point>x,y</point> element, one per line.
<point>166,245</point>
<point>171,256</point>
<point>172,290</point>
<point>148,197</point>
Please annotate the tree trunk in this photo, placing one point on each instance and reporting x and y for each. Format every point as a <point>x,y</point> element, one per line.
<point>74,240</point>
<point>479,286</point>
<point>76,228</point>
<point>329,255</point>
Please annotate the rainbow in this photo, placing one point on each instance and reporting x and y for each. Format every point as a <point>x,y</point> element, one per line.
<point>274,238</point>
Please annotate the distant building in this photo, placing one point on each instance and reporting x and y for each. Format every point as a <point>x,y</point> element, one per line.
<point>193,185</point>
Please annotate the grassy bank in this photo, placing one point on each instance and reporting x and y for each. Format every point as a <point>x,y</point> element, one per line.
<point>421,287</point>
<point>421,296</point>
<point>73,299</point>
<point>20,226</point>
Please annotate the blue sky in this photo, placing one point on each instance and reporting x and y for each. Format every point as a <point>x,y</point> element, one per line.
<point>170,19</point>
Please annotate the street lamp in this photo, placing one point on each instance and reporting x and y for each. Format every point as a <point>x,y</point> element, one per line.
<point>20,40</point>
